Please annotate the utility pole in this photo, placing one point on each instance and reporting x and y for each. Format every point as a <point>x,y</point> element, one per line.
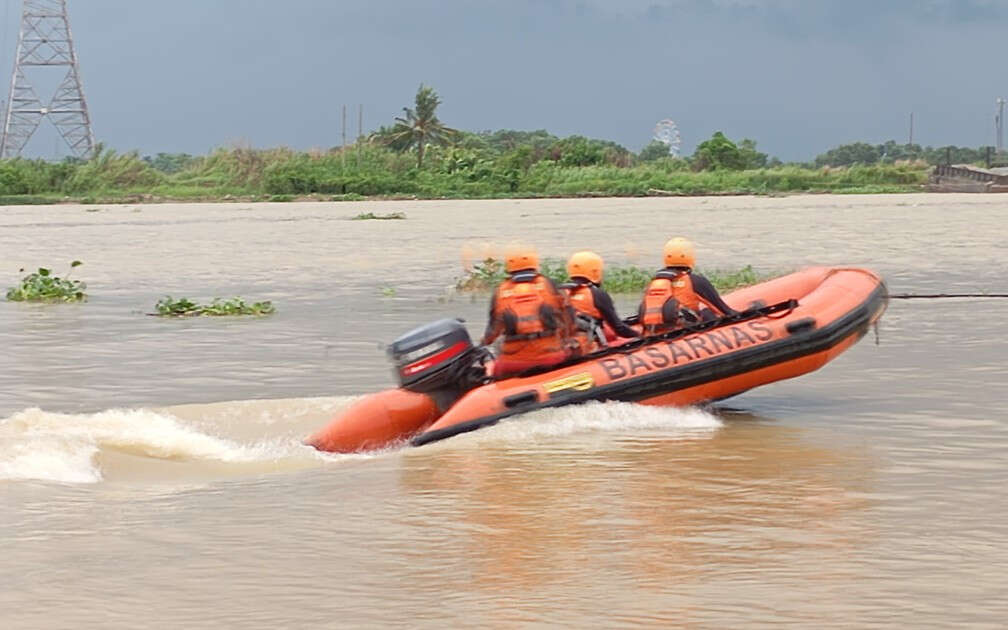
<point>911,128</point>
<point>999,125</point>
<point>343,146</point>
<point>46,40</point>
<point>360,131</point>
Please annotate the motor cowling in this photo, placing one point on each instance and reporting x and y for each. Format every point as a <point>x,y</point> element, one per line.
<point>437,356</point>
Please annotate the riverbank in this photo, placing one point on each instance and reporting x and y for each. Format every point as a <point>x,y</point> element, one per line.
<point>280,175</point>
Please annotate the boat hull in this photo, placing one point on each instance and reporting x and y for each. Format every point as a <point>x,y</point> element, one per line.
<point>376,421</point>
<point>818,313</point>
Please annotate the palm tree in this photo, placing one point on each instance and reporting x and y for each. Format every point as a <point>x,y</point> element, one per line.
<point>420,126</point>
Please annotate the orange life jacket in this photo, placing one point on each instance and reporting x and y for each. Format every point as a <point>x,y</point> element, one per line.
<point>582,300</point>
<point>668,295</point>
<point>589,331</point>
<point>534,317</point>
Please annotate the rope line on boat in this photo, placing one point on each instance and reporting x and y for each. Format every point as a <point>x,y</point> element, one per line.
<point>754,312</point>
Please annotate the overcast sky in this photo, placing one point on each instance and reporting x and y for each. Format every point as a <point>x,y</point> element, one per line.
<point>798,76</point>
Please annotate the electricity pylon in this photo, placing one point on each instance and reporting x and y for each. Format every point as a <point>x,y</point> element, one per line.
<point>45,40</point>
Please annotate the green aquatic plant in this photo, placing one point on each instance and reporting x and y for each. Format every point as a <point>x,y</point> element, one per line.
<point>371,216</point>
<point>485,275</point>
<point>184,307</point>
<point>42,286</point>
<point>729,279</point>
<point>628,279</point>
<point>482,276</point>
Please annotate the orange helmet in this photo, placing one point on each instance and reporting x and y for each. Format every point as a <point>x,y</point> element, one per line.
<point>587,265</point>
<point>679,253</point>
<point>519,258</point>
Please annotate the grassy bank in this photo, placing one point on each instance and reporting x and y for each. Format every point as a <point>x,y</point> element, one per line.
<point>370,171</point>
<point>487,274</point>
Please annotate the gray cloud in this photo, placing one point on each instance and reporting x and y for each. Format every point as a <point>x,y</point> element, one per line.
<point>798,77</point>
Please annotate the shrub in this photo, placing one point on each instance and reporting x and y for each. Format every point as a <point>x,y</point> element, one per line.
<point>108,170</point>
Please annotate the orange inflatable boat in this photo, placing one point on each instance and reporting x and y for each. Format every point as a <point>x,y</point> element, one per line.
<point>786,327</point>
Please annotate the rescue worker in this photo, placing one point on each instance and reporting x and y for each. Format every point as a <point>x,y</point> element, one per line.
<point>593,307</point>
<point>676,294</point>
<point>531,314</point>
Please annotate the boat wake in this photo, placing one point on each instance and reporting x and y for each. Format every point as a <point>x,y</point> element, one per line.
<point>594,422</point>
<point>35,444</point>
<point>180,443</point>
<point>200,443</point>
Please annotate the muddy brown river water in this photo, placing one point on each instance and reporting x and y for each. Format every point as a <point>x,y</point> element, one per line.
<point>152,473</point>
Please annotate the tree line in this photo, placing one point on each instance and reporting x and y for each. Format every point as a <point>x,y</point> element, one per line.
<point>890,152</point>
<point>420,128</point>
<point>418,155</point>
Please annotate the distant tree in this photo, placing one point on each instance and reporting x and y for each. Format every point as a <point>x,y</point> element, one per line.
<point>474,141</point>
<point>581,151</point>
<point>751,158</point>
<point>891,151</point>
<point>521,159</point>
<point>718,153</point>
<point>847,154</point>
<point>420,125</point>
<point>170,162</point>
<point>506,140</point>
<point>653,151</point>
<point>390,137</point>
<point>955,155</point>
<point>577,151</point>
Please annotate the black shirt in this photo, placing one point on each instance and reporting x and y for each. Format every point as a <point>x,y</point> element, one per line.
<point>706,290</point>
<point>605,306</point>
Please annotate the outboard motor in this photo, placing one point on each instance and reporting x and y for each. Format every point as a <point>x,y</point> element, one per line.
<point>435,365</point>
<point>439,359</point>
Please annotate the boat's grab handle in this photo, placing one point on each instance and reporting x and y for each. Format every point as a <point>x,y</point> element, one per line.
<point>800,325</point>
<point>780,309</point>
<point>520,400</point>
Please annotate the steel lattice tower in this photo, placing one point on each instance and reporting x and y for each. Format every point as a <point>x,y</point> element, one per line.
<point>46,40</point>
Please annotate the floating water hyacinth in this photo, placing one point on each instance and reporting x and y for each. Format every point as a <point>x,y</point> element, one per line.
<point>184,307</point>
<point>42,286</point>
<point>371,216</point>
<point>485,275</point>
